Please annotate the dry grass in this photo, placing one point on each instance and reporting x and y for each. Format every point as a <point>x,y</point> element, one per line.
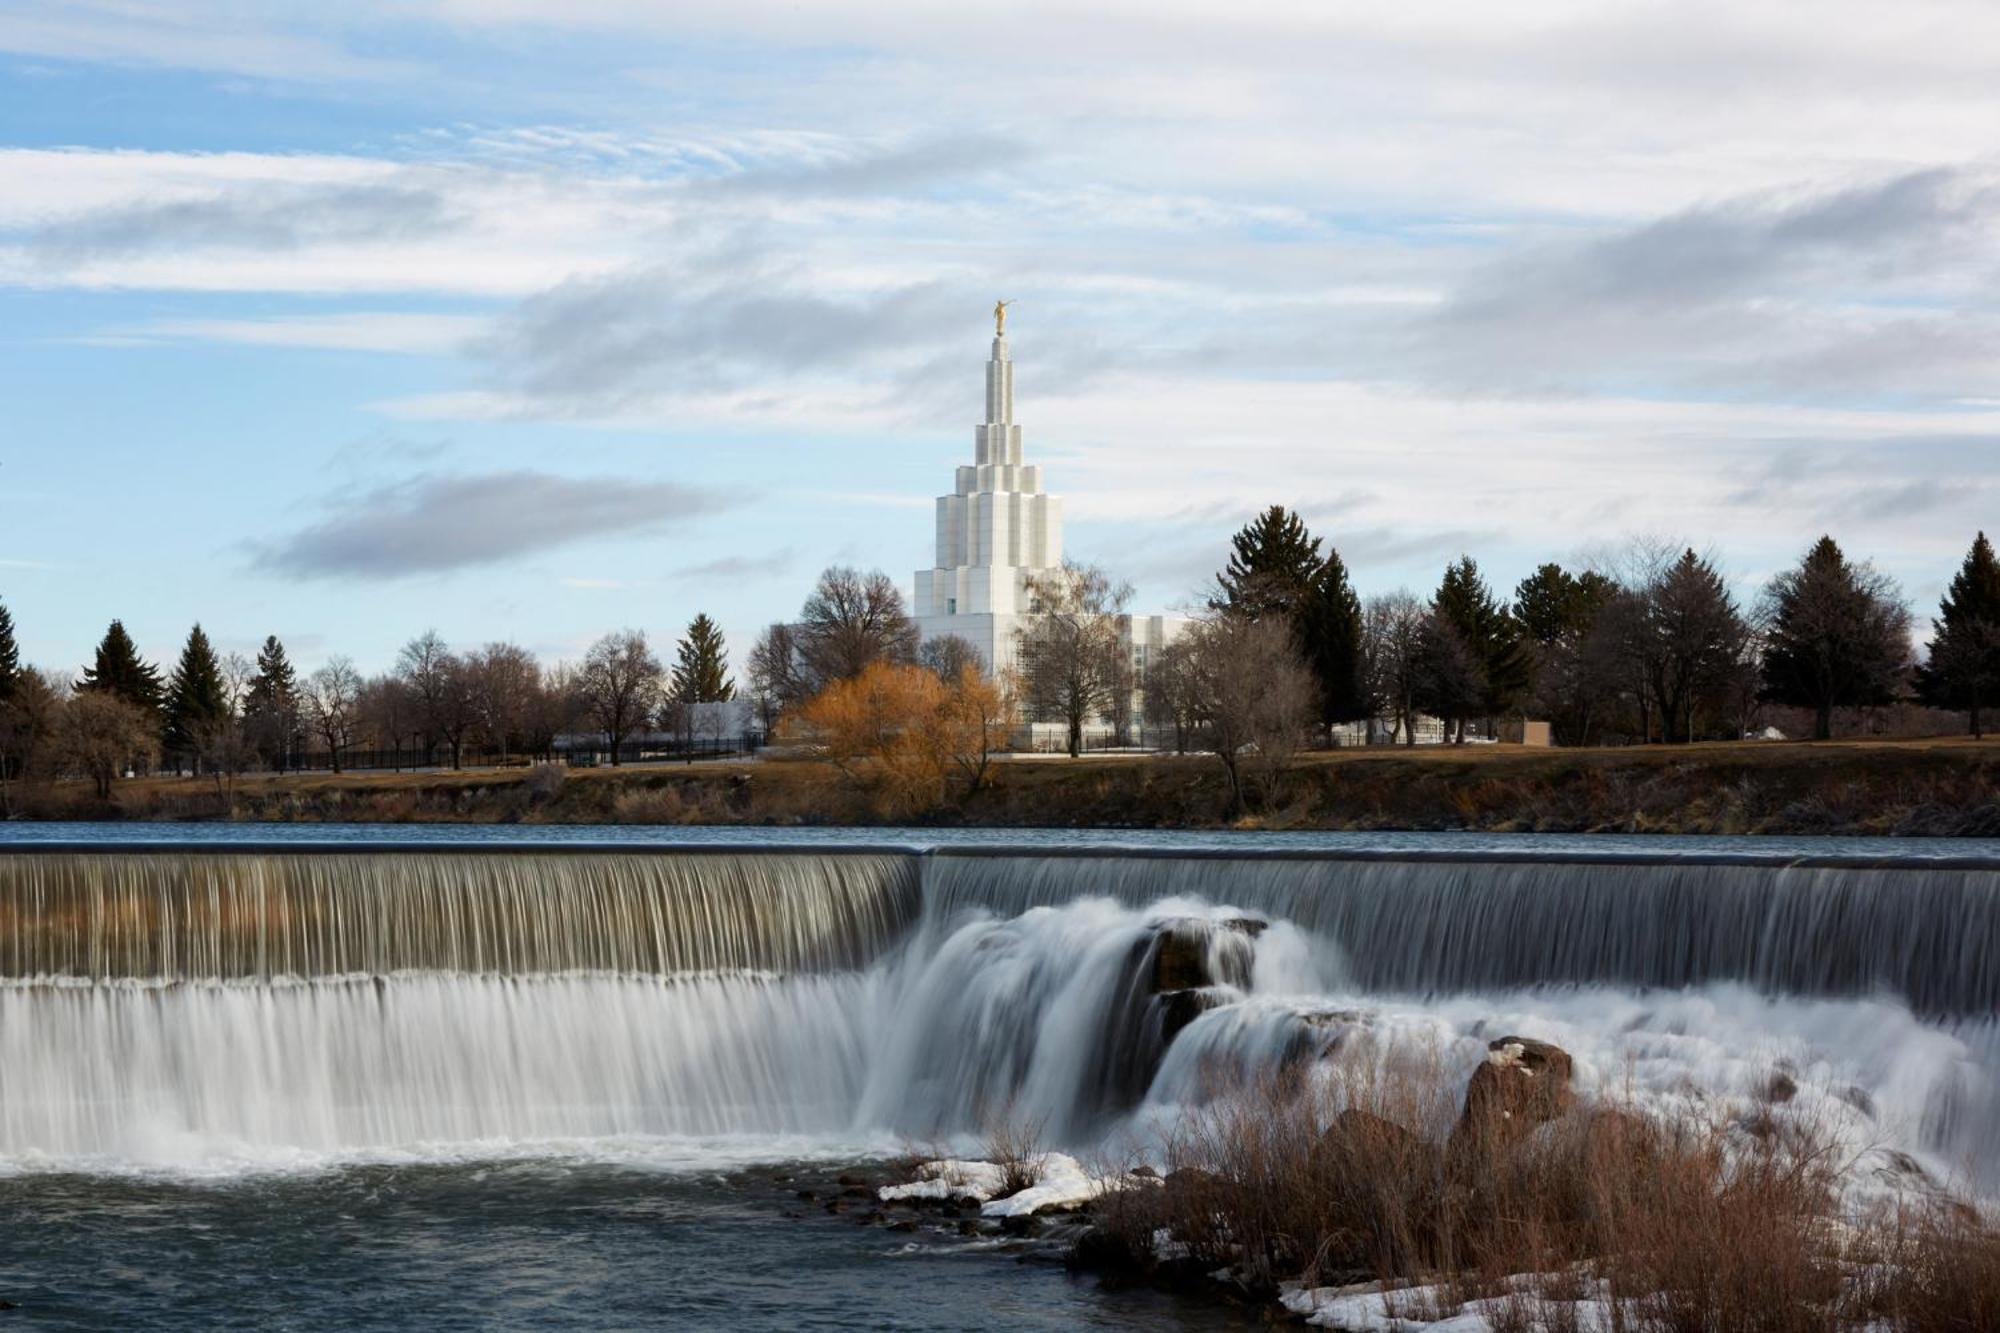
<point>1943,786</point>
<point>1014,1143</point>
<point>1691,1227</point>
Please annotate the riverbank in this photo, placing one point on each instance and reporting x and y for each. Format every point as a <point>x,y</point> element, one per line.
<point>1947,787</point>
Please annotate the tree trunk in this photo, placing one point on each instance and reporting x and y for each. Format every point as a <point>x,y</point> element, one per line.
<point>1976,733</point>
<point>1075,735</point>
<point>1823,723</point>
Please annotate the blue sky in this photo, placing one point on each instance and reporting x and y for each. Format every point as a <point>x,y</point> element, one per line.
<point>529,321</point>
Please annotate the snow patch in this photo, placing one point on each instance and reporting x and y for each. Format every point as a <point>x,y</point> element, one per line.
<point>1060,1182</point>
<point>1366,1308</point>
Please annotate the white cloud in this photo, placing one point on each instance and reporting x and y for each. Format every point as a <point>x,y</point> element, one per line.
<point>354,331</point>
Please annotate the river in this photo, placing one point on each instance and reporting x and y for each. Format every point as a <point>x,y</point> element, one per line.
<point>466,1076</point>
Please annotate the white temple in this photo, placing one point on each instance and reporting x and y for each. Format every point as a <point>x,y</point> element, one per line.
<point>997,529</point>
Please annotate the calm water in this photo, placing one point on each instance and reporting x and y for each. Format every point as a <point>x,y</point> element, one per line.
<point>522,1245</point>
<point>570,835</point>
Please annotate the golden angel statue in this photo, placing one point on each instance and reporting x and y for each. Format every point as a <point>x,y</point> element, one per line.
<point>1000,318</point>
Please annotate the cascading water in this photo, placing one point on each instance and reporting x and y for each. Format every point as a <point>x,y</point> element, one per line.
<point>182,1009</point>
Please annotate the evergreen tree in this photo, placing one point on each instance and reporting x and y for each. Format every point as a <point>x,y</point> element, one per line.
<point>1552,605</point>
<point>119,671</point>
<point>1964,666</point>
<point>1272,563</point>
<point>1838,636</point>
<point>197,700</point>
<point>271,704</point>
<point>1328,628</point>
<point>1486,630</point>
<point>1275,569</point>
<point>10,656</point>
<point>701,674</point>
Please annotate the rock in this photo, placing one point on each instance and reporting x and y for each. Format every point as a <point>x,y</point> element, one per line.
<point>1194,952</point>
<point>1780,1088</point>
<point>1617,1140</point>
<point>1522,1083</point>
<point>851,1179</point>
<point>1181,1007</point>
<point>1180,961</point>
<point>1376,1135</point>
<point>1362,1140</point>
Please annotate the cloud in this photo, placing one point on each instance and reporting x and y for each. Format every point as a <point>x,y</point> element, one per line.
<point>731,568</point>
<point>885,169</point>
<point>267,217</point>
<point>352,331</point>
<point>599,344</point>
<point>434,524</point>
<point>1869,288</point>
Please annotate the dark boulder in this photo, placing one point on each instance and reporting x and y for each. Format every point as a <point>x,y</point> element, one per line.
<point>1522,1083</point>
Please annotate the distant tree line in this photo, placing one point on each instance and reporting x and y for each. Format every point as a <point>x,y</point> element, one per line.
<point>1646,645</point>
<point>219,716</point>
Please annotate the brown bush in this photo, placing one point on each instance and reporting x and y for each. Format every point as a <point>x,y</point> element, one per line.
<point>1688,1226</point>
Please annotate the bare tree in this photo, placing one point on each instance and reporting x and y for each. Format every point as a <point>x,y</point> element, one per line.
<point>388,714</point>
<point>1173,698</point>
<point>555,709</point>
<point>948,655</point>
<point>851,620</point>
<point>502,679</point>
<point>30,718</point>
<point>777,676</point>
<point>426,667</point>
<point>1392,636</point>
<point>1071,658</point>
<point>1257,699</point>
<point>620,685</point>
<point>332,699</point>
<point>101,735</point>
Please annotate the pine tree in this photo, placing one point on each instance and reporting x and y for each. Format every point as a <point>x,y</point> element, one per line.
<point>1964,666</point>
<point>271,704</point>
<point>197,700</point>
<point>10,656</point>
<point>1552,605</point>
<point>1838,636</point>
<point>1328,629</point>
<point>701,671</point>
<point>1272,563</point>
<point>1486,630</point>
<point>119,671</point>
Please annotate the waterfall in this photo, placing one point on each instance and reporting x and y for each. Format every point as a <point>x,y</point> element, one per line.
<point>209,916</point>
<point>1927,933</point>
<point>167,1007</point>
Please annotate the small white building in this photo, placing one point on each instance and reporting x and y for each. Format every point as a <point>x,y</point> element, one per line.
<point>996,530</point>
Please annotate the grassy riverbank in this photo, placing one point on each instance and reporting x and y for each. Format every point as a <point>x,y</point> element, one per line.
<point>1940,787</point>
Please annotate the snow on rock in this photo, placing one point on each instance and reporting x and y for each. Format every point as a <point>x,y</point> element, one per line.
<point>950,1178</point>
<point>1365,1308</point>
<point>1060,1182</point>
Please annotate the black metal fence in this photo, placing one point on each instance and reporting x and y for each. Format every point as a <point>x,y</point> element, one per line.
<point>575,752</point>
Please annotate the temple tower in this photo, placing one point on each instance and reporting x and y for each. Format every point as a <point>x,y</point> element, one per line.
<point>995,529</point>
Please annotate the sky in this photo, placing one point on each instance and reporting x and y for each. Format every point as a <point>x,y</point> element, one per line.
<point>528,320</point>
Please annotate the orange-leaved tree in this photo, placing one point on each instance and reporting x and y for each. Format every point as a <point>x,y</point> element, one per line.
<point>906,734</point>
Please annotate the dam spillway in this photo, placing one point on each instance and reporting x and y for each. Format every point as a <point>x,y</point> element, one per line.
<point>1929,933</point>
<point>157,1003</point>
